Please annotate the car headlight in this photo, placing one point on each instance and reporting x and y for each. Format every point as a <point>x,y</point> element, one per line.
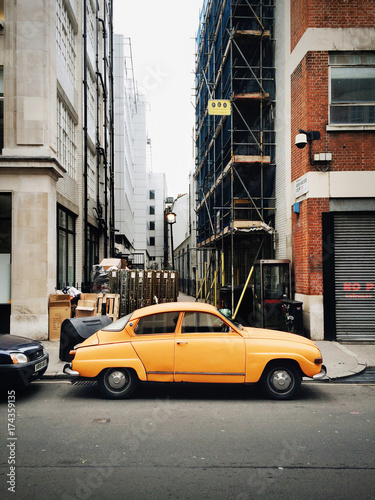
<point>18,357</point>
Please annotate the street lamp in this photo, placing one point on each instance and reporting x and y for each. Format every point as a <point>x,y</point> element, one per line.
<point>171,219</point>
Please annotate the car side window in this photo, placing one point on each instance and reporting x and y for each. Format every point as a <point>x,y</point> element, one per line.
<point>195,322</point>
<point>157,323</point>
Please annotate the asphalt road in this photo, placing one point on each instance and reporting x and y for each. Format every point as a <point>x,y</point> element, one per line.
<point>189,442</point>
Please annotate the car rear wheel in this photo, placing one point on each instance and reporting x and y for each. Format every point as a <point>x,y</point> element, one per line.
<point>281,381</point>
<point>118,383</point>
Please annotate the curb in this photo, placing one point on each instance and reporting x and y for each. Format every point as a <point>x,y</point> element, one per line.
<point>361,363</point>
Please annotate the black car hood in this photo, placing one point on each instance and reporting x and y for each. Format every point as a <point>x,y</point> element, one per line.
<point>9,343</point>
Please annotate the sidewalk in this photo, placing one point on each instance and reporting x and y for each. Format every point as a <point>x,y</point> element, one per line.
<point>341,361</point>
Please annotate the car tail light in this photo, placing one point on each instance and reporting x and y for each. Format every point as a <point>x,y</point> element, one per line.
<point>318,361</point>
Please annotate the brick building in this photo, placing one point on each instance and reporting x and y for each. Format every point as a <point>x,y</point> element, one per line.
<point>327,192</point>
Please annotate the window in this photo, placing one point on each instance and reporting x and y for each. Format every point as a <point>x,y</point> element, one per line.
<point>157,323</point>
<point>5,223</point>
<point>65,38</point>
<point>152,195</point>
<point>66,138</point>
<point>195,322</point>
<point>152,210</point>
<point>152,241</point>
<point>1,109</point>
<point>152,225</point>
<point>65,248</point>
<point>352,91</point>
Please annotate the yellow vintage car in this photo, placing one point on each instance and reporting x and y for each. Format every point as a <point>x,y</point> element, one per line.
<point>193,342</point>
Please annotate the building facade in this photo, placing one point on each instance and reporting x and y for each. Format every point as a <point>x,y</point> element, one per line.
<point>186,253</point>
<point>328,95</point>
<point>139,192</point>
<point>235,152</point>
<point>56,162</point>
<point>311,203</point>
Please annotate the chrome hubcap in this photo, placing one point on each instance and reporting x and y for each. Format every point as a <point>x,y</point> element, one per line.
<point>281,380</point>
<point>116,380</point>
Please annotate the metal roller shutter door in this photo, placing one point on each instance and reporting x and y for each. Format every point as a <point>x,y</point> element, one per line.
<point>355,277</point>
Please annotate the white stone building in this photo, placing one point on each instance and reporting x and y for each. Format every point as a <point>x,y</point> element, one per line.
<point>139,192</point>
<point>56,161</point>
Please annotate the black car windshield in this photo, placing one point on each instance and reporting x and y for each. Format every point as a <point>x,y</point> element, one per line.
<point>117,326</point>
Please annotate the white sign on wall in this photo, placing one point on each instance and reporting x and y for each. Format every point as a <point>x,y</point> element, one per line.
<point>302,185</point>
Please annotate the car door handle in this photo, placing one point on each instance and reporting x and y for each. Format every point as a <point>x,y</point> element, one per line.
<point>181,343</point>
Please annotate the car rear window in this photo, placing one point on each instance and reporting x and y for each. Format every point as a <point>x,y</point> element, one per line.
<point>157,323</point>
<point>118,325</point>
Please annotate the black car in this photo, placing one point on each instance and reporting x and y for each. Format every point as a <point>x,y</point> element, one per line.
<point>22,360</point>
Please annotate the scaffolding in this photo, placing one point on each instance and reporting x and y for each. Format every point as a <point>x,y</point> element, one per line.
<point>235,154</point>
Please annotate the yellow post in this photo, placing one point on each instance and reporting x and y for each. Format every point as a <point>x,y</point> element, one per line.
<point>215,281</point>
<point>222,270</point>
<point>243,292</point>
<point>205,281</point>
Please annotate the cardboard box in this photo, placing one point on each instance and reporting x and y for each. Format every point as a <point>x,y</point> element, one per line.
<point>85,308</point>
<point>89,296</point>
<point>59,309</point>
<point>107,263</point>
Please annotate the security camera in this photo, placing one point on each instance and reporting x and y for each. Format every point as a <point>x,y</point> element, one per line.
<point>301,140</point>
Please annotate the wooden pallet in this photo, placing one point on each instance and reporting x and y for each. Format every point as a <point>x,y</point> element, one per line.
<point>108,305</point>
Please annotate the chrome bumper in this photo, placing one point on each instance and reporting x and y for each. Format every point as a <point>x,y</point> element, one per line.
<point>68,370</point>
<point>321,374</point>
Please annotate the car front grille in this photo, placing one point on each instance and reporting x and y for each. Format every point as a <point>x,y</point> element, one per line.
<point>36,355</point>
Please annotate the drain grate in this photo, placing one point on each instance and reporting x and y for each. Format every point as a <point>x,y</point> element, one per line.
<point>366,377</point>
<point>87,383</point>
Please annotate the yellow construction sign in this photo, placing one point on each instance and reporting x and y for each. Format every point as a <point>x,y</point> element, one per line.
<point>219,107</point>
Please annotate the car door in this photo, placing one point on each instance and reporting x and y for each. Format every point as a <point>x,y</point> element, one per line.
<point>154,343</point>
<point>208,350</point>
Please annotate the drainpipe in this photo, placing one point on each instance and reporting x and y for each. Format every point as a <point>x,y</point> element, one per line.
<point>85,206</point>
<point>112,124</point>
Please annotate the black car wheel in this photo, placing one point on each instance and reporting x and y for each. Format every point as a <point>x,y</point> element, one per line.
<point>281,381</point>
<point>118,383</point>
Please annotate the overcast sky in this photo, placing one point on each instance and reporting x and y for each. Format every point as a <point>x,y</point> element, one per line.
<point>163,43</point>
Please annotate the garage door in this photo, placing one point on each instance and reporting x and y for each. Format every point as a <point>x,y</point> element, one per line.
<point>355,277</point>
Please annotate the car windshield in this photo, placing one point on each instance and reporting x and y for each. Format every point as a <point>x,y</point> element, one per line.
<point>118,325</point>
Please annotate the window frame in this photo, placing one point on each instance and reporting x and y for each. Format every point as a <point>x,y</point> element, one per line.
<point>70,233</point>
<point>332,64</point>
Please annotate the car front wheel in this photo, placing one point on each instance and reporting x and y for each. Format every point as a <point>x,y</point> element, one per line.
<point>281,381</point>
<point>118,383</point>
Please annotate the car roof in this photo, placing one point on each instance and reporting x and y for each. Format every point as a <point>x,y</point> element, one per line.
<point>172,307</point>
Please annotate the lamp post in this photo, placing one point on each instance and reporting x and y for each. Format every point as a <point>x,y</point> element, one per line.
<point>171,219</point>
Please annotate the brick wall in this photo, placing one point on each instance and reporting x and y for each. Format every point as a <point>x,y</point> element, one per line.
<point>329,14</point>
<point>307,246</point>
<point>352,150</point>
